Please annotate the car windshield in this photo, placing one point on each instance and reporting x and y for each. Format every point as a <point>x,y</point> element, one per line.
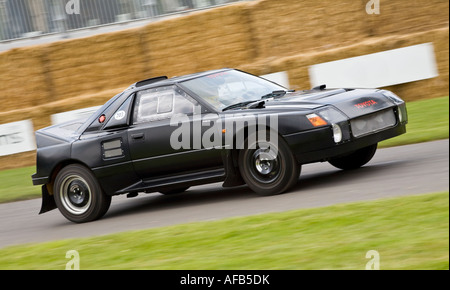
<point>225,89</point>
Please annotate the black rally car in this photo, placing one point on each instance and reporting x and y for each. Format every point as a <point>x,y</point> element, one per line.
<point>165,135</point>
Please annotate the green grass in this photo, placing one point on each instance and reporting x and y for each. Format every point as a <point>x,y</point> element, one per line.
<point>408,233</point>
<point>428,120</point>
<point>16,184</point>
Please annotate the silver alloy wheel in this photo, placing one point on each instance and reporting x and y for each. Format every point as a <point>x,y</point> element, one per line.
<point>75,194</point>
<point>265,165</point>
<point>264,162</point>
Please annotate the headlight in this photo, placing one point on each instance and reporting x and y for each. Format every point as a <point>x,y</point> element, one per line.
<point>337,133</point>
<point>402,113</point>
<point>331,116</point>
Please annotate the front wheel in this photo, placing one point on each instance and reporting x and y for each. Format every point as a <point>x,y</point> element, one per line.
<point>356,159</point>
<point>268,167</point>
<point>78,194</point>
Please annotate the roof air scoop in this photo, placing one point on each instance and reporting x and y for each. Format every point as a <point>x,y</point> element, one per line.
<point>319,88</point>
<point>150,81</point>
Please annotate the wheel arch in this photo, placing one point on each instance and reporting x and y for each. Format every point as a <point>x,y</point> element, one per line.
<point>48,201</point>
<point>290,169</point>
<point>79,196</point>
<point>57,168</point>
<point>245,131</point>
<point>231,156</point>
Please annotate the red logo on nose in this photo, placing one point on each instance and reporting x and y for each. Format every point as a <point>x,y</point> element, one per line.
<point>366,104</point>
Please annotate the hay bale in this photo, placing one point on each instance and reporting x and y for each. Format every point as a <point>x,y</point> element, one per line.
<point>94,64</point>
<point>22,78</point>
<point>200,41</point>
<point>290,27</point>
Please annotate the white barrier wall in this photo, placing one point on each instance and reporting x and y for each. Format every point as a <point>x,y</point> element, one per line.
<point>17,137</point>
<point>281,78</point>
<point>377,70</point>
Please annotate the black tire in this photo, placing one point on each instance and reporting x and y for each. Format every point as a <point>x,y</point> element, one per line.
<point>78,194</point>
<point>174,191</point>
<point>356,159</point>
<point>265,172</point>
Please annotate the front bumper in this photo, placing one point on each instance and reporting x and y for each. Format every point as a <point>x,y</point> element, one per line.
<point>39,180</point>
<point>317,145</point>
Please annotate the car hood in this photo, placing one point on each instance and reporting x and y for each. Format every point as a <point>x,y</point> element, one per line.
<point>352,102</point>
<point>304,99</point>
<point>57,134</point>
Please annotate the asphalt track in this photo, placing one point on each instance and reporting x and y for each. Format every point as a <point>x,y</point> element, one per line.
<point>398,171</point>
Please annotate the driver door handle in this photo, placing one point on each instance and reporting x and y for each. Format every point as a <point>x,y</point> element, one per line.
<point>138,136</point>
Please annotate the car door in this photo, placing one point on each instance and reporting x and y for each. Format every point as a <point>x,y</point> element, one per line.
<point>163,118</point>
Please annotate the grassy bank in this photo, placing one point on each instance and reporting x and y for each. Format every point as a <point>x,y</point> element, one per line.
<point>16,184</point>
<point>407,232</point>
<point>428,120</point>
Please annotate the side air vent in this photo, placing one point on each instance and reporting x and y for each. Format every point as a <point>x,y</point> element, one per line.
<point>112,149</point>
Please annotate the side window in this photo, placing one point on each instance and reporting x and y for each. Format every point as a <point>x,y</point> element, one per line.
<point>161,103</point>
<point>120,117</point>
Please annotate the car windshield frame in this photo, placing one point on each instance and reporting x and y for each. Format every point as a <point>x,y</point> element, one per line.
<point>227,88</point>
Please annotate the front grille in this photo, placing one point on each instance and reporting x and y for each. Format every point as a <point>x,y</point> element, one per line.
<point>373,123</point>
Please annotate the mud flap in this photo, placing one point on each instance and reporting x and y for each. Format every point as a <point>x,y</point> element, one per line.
<point>48,202</point>
<point>233,176</point>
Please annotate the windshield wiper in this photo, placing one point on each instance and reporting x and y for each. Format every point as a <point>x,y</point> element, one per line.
<point>238,105</point>
<point>276,94</point>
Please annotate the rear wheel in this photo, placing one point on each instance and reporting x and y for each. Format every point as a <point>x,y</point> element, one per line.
<point>268,168</point>
<point>356,159</point>
<point>78,194</point>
